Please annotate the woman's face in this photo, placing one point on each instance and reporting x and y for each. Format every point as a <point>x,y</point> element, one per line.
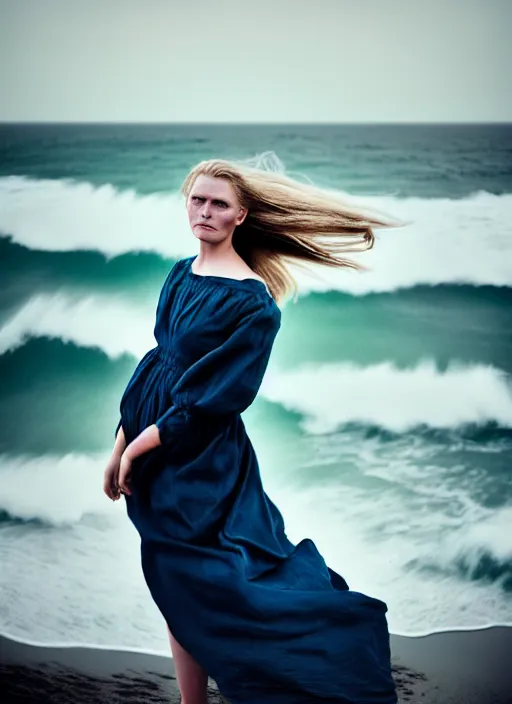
<point>212,202</point>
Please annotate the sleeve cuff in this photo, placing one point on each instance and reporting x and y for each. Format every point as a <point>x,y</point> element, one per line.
<point>172,425</point>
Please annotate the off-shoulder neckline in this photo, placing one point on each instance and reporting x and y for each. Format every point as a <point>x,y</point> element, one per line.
<point>223,279</point>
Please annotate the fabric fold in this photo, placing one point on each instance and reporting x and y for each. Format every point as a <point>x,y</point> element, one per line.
<point>226,380</point>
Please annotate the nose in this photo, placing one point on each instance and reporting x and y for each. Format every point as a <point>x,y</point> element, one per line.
<point>205,212</point>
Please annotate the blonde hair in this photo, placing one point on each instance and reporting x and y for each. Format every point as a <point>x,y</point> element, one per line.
<point>290,220</point>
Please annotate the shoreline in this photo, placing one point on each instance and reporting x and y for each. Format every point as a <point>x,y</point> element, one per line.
<point>451,667</point>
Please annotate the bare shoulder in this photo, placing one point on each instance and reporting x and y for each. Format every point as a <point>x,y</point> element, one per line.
<point>245,272</point>
<point>237,271</point>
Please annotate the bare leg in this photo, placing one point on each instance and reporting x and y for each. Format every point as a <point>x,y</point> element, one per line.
<point>192,678</point>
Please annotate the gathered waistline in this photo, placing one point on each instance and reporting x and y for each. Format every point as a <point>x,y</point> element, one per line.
<point>168,357</point>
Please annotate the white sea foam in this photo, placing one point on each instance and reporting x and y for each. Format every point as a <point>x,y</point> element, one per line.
<point>56,489</point>
<point>467,240</point>
<point>486,536</point>
<point>70,579</point>
<point>379,540</point>
<point>105,322</point>
<point>63,215</point>
<point>330,395</point>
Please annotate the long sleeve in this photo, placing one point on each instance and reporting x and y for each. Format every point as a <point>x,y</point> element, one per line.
<point>227,379</point>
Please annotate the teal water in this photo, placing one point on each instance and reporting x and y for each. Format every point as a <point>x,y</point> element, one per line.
<point>384,424</point>
<point>424,160</point>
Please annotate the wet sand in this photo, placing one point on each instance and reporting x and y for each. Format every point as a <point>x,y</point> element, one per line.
<point>459,667</point>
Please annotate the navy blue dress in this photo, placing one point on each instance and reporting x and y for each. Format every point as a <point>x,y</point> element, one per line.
<point>268,620</point>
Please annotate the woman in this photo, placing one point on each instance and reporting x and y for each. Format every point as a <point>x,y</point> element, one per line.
<point>266,619</point>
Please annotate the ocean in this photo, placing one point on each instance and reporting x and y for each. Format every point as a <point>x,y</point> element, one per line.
<point>383,426</point>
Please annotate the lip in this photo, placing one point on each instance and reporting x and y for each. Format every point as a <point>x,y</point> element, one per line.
<point>206,227</point>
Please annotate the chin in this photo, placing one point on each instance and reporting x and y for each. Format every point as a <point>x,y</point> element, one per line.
<point>209,236</point>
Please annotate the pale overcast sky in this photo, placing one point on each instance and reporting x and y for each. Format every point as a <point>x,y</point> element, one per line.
<point>259,61</point>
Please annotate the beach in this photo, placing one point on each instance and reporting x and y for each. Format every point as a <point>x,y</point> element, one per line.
<point>382,428</point>
<point>458,667</point>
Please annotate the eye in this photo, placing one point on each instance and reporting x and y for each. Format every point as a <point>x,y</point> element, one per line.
<point>196,198</point>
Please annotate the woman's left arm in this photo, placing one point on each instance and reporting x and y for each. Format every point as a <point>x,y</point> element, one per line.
<point>224,381</point>
<point>146,440</point>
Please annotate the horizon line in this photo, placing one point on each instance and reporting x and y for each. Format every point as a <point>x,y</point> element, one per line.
<point>250,124</point>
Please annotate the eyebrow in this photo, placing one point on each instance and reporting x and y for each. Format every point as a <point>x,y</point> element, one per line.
<point>214,200</point>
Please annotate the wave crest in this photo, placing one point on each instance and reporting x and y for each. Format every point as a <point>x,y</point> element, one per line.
<point>450,241</point>
<point>332,395</point>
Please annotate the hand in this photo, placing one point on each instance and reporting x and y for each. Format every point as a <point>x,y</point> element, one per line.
<point>110,478</point>
<point>124,476</point>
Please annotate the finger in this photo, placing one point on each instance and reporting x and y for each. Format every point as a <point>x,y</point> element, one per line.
<point>124,488</point>
<point>111,490</point>
<point>107,489</point>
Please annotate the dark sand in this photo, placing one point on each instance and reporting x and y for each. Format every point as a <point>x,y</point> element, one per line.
<point>462,667</point>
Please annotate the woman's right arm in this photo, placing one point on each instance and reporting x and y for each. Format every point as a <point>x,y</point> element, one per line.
<point>110,486</point>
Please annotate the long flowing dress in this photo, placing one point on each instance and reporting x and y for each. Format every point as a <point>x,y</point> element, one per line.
<point>268,620</point>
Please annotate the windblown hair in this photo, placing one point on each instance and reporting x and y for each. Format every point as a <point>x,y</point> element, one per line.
<point>291,221</point>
